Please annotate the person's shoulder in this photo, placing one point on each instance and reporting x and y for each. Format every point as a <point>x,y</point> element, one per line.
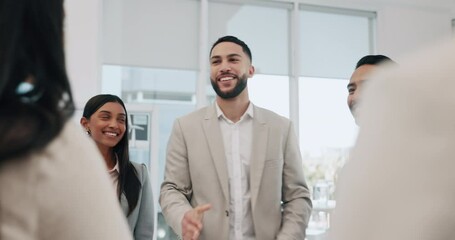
<point>72,143</point>
<point>71,153</point>
<point>141,170</point>
<point>70,136</point>
<point>72,173</point>
<point>267,115</point>
<point>140,167</point>
<point>198,114</point>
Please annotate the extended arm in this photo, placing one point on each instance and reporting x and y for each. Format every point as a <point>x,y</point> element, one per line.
<point>176,189</point>
<point>295,194</point>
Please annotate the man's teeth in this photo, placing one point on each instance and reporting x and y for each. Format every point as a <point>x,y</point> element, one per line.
<point>226,78</point>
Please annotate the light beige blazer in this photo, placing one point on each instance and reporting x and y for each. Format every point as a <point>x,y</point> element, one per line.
<point>60,192</point>
<point>196,173</point>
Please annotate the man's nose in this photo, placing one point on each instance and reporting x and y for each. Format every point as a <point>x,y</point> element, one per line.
<point>225,67</point>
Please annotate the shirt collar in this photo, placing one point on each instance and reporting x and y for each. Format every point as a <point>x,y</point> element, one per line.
<point>249,111</point>
<point>116,167</point>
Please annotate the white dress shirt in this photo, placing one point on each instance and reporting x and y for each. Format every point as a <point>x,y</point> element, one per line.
<point>237,138</point>
<point>114,174</point>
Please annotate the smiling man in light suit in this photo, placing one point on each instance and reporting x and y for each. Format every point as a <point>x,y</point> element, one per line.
<point>234,170</point>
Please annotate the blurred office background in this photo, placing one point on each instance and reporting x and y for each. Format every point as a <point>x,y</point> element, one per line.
<point>154,54</point>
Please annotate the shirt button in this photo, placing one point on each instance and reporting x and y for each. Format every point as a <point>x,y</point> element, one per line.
<point>227,213</point>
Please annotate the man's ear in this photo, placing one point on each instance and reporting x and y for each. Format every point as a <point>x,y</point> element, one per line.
<point>251,71</point>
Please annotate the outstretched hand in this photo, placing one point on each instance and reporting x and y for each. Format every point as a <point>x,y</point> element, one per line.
<point>192,222</point>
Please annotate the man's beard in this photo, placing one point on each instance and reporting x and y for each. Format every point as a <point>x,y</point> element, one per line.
<point>239,87</point>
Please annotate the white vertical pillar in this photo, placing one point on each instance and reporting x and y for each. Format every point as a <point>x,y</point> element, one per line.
<point>295,71</point>
<point>201,87</point>
<point>82,45</point>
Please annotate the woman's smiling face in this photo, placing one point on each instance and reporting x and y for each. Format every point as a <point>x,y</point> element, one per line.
<point>107,125</point>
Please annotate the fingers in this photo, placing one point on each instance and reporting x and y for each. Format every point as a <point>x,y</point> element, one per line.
<point>191,229</point>
<point>191,232</point>
<point>192,222</point>
<point>196,235</point>
<point>202,208</point>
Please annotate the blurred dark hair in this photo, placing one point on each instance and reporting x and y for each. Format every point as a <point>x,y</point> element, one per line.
<point>128,181</point>
<point>35,95</point>
<point>235,40</point>
<point>373,60</point>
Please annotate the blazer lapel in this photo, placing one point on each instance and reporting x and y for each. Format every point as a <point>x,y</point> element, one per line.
<point>258,153</point>
<point>216,147</point>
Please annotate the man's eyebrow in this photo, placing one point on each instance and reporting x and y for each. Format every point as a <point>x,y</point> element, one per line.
<point>234,55</point>
<point>229,55</point>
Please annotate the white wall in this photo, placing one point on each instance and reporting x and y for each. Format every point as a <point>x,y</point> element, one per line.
<point>82,38</point>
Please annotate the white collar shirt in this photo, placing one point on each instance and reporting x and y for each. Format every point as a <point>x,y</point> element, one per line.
<point>114,174</point>
<point>237,138</point>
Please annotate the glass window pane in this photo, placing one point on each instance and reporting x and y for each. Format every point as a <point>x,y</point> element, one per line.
<point>271,92</point>
<point>150,85</point>
<point>265,30</point>
<point>332,43</point>
<point>326,124</point>
<point>325,119</point>
<point>327,128</point>
<point>327,133</point>
<point>139,137</point>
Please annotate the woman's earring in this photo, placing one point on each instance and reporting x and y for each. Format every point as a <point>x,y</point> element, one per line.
<point>88,132</point>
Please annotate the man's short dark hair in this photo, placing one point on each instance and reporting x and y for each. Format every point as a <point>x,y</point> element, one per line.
<point>372,60</point>
<point>235,40</point>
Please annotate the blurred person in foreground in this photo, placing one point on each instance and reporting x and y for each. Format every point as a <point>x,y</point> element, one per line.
<point>53,183</point>
<point>364,68</point>
<point>400,183</point>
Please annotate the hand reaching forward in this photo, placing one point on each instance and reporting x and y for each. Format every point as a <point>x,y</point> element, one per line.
<point>192,222</point>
